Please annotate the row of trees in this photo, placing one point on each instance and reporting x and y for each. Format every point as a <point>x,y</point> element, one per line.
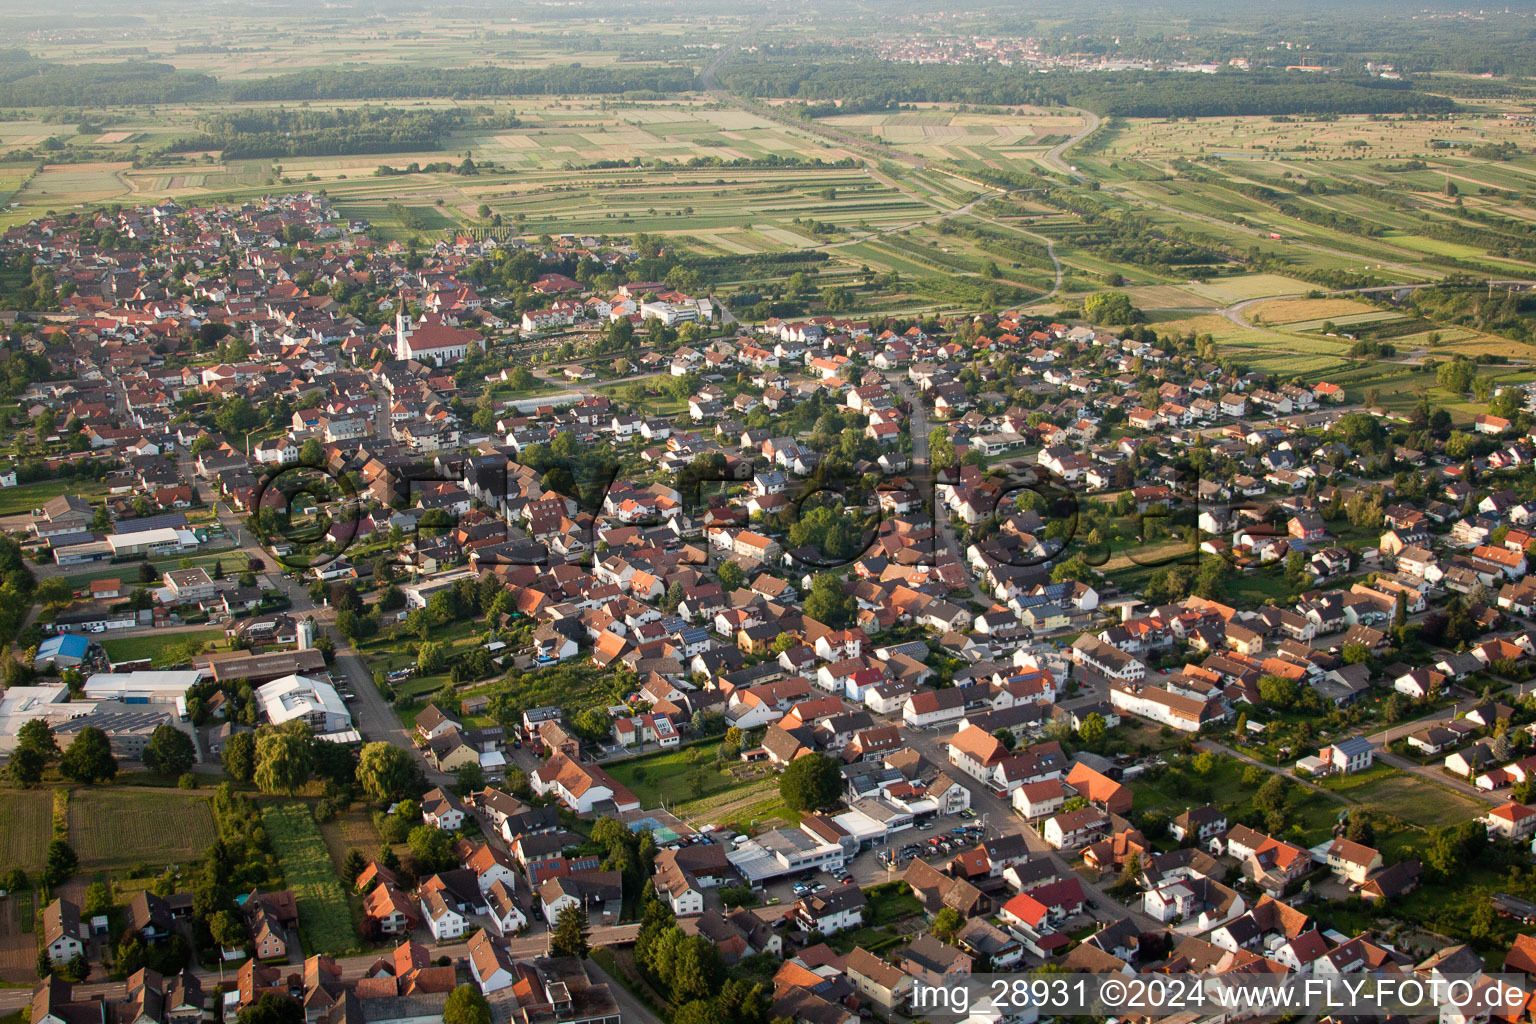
<point>283,758</point>
<point>89,758</point>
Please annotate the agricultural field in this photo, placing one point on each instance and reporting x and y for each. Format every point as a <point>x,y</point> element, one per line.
<point>28,817</point>
<point>325,915</point>
<point>351,831</point>
<point>939,132</point>
<point>115,829</point>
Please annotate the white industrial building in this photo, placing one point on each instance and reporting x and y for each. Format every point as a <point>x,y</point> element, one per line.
<point>309,700</point>
<point>166,540</point>
<point>784,851</point>
<point>142,687</point>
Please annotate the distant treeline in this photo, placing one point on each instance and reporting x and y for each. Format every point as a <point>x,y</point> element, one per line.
<point>27,82</point>
<point>868,85</point>
<point>461,83</point>
<point>285,133</point>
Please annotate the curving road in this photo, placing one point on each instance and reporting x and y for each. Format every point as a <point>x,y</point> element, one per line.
<point>1055,158</point>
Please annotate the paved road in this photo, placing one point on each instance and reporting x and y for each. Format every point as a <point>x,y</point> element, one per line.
<point>1001,820</point>
<point>1055,158</point>
<point>371,713</point>
<point>630,1008</point>
<point>946,530</point>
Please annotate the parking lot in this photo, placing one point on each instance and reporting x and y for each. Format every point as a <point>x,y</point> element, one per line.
<point>935,841</point>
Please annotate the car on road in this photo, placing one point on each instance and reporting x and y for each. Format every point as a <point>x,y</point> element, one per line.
<point>772,901</point>
<point>801,889</point>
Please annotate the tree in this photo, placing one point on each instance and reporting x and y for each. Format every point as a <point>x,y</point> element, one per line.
<point>1272,795</point>
<point>1211,579</point>
<point>239,756</point>
<point>169,751</point>
<point>387,773</point>
<point>1360,829</point>
<point>828,604</point>
<point>60,865</point>
<point>1129,873</point>
<point>227,929</point>
<point>237,416</point>
<point>466,1005</point>
<point>431,658</point>
<point>282,758</point>
<point>272,1008</point>
<point>1093,728</point>
<point>1278,690</point>
<point>730,576</point>
<point>696,970</point>
<point>353,865</point>
<point>26,766</point>
<point>810,783</point>
<point>946,923</point>
<point>592,724</point>
<point>36,733</point>
<point>569,935</point>
<point>941,450</point>
<point>89,758</point>
<point>430,849</point>
<point>98,898</point>
<point>1109,308</point>
<point>1356,654</point>
<point>699,1011</point>
<point>468,779</point>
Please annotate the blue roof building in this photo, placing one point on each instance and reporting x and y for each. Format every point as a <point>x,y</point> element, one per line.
<point>65,651</point>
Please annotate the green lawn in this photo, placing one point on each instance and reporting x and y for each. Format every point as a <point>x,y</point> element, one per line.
<point>1377,772</point>
<point>1309,815</point>
<point>227,561</point>
<point>891,903</point>
<point>133,648</point>
<point>26,497</point>
<point>671,774</point>
<point>1417,800</point>
<point>114,829</point>
<point>325,917</point>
